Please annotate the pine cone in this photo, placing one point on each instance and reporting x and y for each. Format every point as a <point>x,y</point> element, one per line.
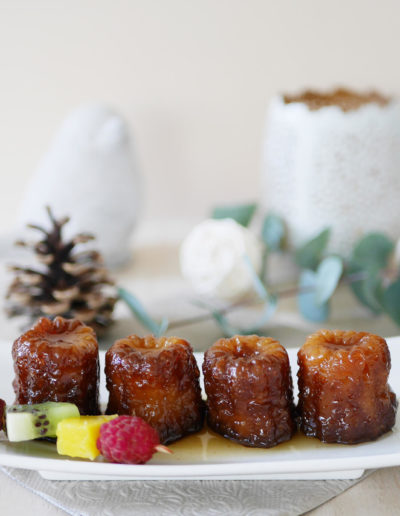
<point>70,283</point>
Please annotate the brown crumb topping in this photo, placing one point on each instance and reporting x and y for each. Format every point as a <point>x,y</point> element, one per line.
<point>345,99</point>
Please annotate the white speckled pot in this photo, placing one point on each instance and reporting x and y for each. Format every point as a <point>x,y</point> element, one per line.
<point>333,168</point>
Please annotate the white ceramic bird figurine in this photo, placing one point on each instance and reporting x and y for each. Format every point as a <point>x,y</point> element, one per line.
<point>90,174</point>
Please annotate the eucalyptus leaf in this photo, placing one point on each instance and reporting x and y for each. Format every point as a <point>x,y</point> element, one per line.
<point>242,213</point>
<point>372,251</point>
<point>309,255</point>
<point>264,264</point>
<point>306,298</point>
<point>229,330</point>
<point>140,313</point>
<point>258,285</point>
<point>273,232</point>
<point>327,278</point>
<point>163,327</point>
<point>391,301</point>
<point>368,290</point>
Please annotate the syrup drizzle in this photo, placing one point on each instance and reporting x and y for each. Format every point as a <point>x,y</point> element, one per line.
<point>209,447</point>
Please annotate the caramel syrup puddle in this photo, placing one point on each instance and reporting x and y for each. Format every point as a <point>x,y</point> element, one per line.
<point>209,447</point>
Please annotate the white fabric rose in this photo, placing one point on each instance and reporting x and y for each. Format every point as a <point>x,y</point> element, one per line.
<point>212,259</point>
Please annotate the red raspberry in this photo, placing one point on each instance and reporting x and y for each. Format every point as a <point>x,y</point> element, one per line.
<point>2,414</point>
<point>128,440</point>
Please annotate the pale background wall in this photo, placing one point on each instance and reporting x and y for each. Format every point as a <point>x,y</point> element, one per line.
<point>192,77</point>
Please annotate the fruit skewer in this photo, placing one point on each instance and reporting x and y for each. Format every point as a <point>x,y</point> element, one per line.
<point>120,439</point>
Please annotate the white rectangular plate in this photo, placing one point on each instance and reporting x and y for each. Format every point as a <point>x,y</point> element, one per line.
<point>206,455</point>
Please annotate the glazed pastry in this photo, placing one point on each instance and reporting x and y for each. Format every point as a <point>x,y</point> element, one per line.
<point>57,361</point>
<point>156,379</point>
<point>249,390</point>
<point>344,396</point>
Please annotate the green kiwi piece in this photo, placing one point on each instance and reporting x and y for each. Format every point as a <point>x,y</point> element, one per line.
<point>27,422</point>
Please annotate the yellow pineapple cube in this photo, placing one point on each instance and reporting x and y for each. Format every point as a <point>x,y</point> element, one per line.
<point>77,436</point>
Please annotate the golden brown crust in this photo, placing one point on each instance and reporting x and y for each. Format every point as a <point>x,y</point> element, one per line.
<point>249,390</point>
<point>156,379</point>
<point>344,396</point>
<point>57,361</point>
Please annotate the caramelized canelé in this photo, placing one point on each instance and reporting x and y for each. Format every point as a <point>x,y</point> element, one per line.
<point>156,379</point>
<point>57,361</point>
<point>249,390</point>
<point>344,396</point>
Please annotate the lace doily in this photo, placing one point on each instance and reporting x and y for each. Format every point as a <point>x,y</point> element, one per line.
<point>178,498</point>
